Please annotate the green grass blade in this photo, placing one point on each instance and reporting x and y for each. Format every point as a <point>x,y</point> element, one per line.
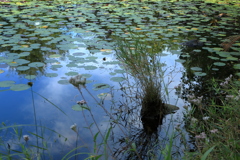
<point>52,103</point>
<point>70,153</point>
<point>36,135</point>
<point>38,147</point>
<point>204,157</point>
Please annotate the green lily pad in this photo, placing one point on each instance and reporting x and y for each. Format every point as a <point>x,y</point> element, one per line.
<point>23,54</point>
<point>6,83</point>
<point>30,77</point>
<point>236,66</point>
<point>171,108</point>
<point>71,65</point>
<point>219,64</point>
<point>90,67</point>
<point>51,74</point>
<point>21,61</point>
<point>78,54</point>
<point>119,71</point>
<point>63,82</point>
<point>1,71</point>
<point>71,73</point>
<point>200,73</point>
<point>196,68</point>
<point>180,60</point>
<point>36,64</point>
<point>112,73</point>
<point>19,87</point>
<point>117,79</point>
<point>23,68</point>
<point>86,75</point>
<point>104,96</point>
<point>79,107</point>
<point>101,86</point>
<point>55,56</point>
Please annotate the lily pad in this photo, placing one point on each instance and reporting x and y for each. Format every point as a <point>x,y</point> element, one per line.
<point>20,87</point>
<point>196,68</point>
<point>23,54</point>
<point>104,96</point>
<point>117,79</point>
<point>1,71</point>
<point>171,108</point>
<point>101,86</point>
<point>219,64</point>
<point>36,64</point>
<point>71,73</point>
<point>63,82</point>
<point>21,61</point>
<point>51,74</point>
<point>200,73</point>
<point>55,56</point>
<point>78,54</point>
<point>236,66</point>
<point>79,107</point>
<point>6,83</point>
<point>23,68</point>
<point>86,75</point>
<point>30,77</point>
<point>90,67</point>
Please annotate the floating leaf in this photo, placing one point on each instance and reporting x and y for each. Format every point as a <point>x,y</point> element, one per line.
<point>23,54</point>
<point>54,56</point>
<point>101,86</point>
<point>180,60</point>
<point>104,96</point>
<point>63,82</point>
<point>214,58</point>
<point>21,61</point>
<point>79,107</point>
<point>196,68</point>
<point>217,49</point>
<point>51,74</point>
<point>56,66</point>
<point>23,68</point>
<point>232,58</point>
<point>117,79</point>
<point>86,75</point>
<point>71,65</point>
<point>6,83</point>
<point>112,73</point>
<point>236,66</point>
<point>78,54</point>
<point>36,64</point>
<point>19,87</point>
<point>30,76</point>
<point>106,50</point>
<point>90,67</point>
<point>1,71</point>
<point>200,73</point>
<point>119,71</point>
<point>71,73</point>
<point>219,64</point>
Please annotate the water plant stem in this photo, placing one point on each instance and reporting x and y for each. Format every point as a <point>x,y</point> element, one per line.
<point>35,118</point>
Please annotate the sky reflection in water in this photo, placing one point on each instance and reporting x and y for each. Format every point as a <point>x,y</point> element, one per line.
<point>17,107</point>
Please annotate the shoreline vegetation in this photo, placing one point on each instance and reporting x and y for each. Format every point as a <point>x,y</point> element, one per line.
<point>210,129</point>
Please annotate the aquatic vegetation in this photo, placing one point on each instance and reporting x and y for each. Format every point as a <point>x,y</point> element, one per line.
<point>44,41</point>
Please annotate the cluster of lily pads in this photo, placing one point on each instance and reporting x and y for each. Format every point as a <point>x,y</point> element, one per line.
<point>35,35</point>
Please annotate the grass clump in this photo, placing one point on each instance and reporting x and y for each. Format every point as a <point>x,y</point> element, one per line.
<point>142,61</point>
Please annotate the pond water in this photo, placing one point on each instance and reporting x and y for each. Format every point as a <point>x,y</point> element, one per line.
<point>45,44</point>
